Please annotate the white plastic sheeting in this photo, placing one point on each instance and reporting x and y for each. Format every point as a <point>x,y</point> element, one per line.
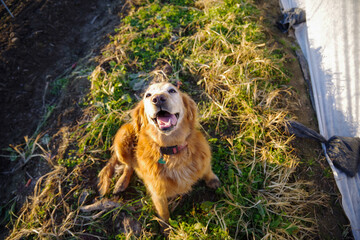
<point>330,41</point>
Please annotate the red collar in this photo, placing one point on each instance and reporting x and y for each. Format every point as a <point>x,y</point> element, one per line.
<point>172,150</point>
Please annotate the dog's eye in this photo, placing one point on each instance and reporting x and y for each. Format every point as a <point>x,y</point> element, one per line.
<point>172,90</point>
<point>148,95</point>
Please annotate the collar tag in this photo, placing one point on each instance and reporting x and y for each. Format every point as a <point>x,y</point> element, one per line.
<point>161,160</point>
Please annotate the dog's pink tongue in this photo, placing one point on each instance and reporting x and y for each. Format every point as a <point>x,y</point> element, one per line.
<point>166,121</point>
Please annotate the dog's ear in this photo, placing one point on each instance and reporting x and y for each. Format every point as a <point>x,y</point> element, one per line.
<point>190,107</point>
<point>138,116</point>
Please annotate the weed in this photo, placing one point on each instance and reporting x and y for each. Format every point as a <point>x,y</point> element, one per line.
<point>327,172</point>
<point>7,210</point>
<point>27,151</point>
<point>58,85</point>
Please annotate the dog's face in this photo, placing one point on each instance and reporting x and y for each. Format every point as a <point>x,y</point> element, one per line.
<point>164,107</point>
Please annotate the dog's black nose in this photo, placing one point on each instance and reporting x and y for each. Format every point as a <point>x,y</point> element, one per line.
<point>158,99</point>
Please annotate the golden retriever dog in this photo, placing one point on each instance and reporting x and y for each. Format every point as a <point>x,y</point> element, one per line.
<point>163,145</point>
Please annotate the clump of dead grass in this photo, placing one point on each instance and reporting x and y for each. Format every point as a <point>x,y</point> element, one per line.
<point>54,210</point>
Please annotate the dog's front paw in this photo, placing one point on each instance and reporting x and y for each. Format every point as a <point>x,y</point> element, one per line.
<point>213,183</point>
<point>121,184</point>
<point>120,187</point>
<point>124,180</point>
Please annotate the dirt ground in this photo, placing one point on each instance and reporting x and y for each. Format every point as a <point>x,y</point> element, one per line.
<point>44,41</point>
<point>48,38</point>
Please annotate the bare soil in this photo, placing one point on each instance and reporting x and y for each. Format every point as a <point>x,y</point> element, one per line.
<point>49,38</point>
<point>46,40</point>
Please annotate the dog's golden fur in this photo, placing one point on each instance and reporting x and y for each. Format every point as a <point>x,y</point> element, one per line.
<point>137,146</point>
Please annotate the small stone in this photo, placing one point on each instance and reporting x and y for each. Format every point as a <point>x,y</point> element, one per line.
<point>15,40</point>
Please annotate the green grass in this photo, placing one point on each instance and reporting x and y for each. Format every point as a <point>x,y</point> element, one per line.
<point>218,50</point>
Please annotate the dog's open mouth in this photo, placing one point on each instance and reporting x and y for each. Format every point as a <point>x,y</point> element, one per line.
<point>166,121</point>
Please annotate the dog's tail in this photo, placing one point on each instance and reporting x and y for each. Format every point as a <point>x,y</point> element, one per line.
<point>105,175</point>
